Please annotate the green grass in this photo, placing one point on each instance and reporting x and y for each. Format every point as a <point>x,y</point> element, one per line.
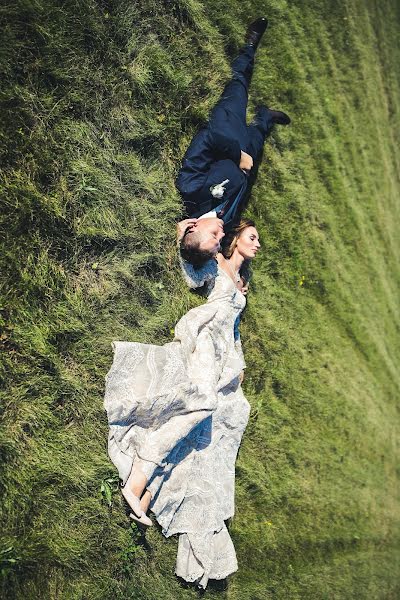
<point>99,102</point>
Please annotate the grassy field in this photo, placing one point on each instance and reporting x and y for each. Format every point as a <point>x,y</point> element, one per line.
<point>99,100</point>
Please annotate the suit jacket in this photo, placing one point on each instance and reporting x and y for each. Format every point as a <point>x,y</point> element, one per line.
<point>211,158</point>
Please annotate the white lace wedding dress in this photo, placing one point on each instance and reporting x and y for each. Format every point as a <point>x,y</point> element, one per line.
<point>179,411</point>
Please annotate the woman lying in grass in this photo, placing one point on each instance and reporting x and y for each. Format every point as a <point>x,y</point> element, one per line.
<point>177,414</point>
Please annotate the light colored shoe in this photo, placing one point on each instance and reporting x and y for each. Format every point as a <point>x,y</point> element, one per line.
<point>142,520</point>
<point>132,500</point>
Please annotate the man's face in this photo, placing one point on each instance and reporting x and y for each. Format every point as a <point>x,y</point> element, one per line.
<point>212,230</point>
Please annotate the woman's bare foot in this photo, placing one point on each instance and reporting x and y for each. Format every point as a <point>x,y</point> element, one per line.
<point>145,501</point>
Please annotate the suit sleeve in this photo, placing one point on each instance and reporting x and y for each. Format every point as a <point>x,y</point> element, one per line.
<point>224,147</point>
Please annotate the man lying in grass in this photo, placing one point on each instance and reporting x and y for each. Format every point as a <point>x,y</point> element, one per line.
<point>214,175</point>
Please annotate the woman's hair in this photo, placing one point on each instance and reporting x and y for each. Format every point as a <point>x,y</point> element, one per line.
<point>231,238</point>
<point>229,244</point>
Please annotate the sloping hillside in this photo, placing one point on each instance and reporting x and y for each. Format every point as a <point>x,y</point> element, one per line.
<point>99,102</point>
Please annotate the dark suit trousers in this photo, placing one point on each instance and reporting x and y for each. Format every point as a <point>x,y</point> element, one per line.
<point>214,153</point>
<point>229,114</point>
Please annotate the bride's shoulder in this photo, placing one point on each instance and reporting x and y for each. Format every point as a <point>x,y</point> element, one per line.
<point>221,262</point>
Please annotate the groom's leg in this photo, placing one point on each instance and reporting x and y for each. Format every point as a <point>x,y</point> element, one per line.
<point>257,132</point>
<point>263,122</point>
<point>232,105</point>
<point>243,65</point>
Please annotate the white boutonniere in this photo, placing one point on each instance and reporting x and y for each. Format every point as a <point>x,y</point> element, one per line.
<point>218,190</point>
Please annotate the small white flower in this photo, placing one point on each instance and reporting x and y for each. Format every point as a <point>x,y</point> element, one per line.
<point>218,190</point>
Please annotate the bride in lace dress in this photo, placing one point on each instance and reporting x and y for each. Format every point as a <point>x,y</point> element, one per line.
<point>177,414</point>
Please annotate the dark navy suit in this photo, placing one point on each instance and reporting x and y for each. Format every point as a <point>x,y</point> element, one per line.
<point>214,153</point>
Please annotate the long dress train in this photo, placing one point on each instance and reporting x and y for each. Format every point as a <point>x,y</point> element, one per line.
<point>179,412</point>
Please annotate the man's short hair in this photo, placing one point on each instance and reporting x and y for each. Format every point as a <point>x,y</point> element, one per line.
<point>190,249</point>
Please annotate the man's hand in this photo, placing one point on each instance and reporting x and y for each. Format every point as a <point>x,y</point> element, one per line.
<point>182,226</point>
<point>246,162</point>
<point>243,286</point>
<point>245,289</point>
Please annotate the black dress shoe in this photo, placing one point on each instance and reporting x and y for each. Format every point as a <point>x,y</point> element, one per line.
<point>255,31</point>
<point>265,115</point>
<point>279,117</point>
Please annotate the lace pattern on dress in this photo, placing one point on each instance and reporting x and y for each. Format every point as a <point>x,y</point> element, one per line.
<point>197,277</point>
<point>180,410</point>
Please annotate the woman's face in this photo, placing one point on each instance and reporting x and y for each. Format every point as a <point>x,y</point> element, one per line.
<point>248,243</point>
